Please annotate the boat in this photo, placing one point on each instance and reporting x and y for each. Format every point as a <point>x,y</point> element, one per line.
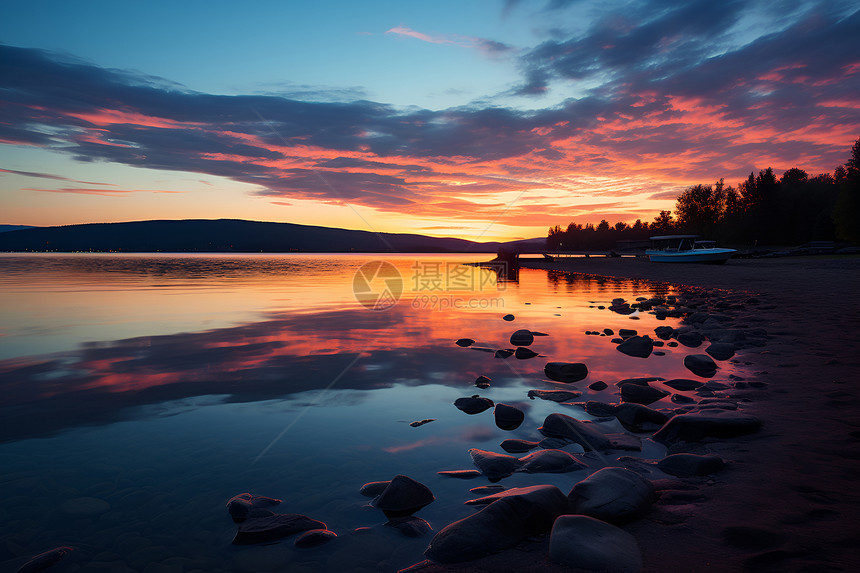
<point>686,249</point>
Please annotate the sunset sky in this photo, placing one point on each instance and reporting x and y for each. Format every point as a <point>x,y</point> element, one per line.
<point>481,119</point>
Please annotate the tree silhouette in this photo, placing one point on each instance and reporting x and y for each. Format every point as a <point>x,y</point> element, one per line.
<point>846,214</point>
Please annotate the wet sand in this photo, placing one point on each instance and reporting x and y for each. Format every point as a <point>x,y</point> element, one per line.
<point>788,500</point>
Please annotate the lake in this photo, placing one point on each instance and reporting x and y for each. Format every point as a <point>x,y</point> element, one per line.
<point>140,392</point>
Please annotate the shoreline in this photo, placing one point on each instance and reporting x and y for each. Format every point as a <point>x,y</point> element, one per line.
<point>787,500</point>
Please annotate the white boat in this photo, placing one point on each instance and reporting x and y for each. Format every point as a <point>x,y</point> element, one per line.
<point>686,249</point>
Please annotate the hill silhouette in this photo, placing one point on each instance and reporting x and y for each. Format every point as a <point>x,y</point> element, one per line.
<point>226,235</point>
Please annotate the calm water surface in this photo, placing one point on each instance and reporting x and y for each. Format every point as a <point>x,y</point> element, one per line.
<point>158,386</point>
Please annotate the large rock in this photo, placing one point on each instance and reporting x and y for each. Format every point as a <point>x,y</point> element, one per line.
<point>641,394</point>
<point>583,542</point>
<point>612,494</point>
<point>700,365</point>
<point>314,538</point>
<point>269,528</point>
<point>638,346</point>
<point>685,465</point>
<point>522,338</point>
<point>243,506</point>
<point>697,426</point>
<point>721,350</point>
<point>639,418</point>
<point>494,466</point>
<point>508,417</point>
<point>525,353</point>
<point>563,426</point>
<point>691,339</point>
<point>403,496</point>
<point>504,523</point>
<point>664,332</point>
<point>550,462</point>
<point>474,404</point>
<point>566,371</point>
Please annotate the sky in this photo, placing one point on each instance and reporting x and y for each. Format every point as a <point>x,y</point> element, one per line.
<point>486,120</point>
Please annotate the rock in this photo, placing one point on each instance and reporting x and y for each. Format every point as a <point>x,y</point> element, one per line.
<point>522,338</point>
<point>664,332</point>
<point>465,342</point>
<point>626,333</point>
<point>685,465</point>
<point>474,404</point>
<point>638,346</point>
<point>639,381</point>
<point>698,317</point>
<point>504,353</point>
<point>460,474</point>
<point>613,494</point>
<point>374,488</point>
<point>482,382</point>
<point>410,526</point>
<point>261,529</point>
<point>554,395</point>
<point>403,496</point>
<point>494,466</point>
<point>683,384</point>
<point>504,523</point>
<point>508,417</point>
<point>691,339</point>
<point>508,317</point>
<point>697,426</point>
<point>624,442</point>
<point>639,418</point>
<point>700,365</point>
<point>314,538</point>
<point>598,386</point>
<point>600,409</point>
<point>608,332</point>
<point>487,489</point>
<point>421,422</point>
<point>85,506</point>
<point>672,344</point>
<point>721,350</point>
<point>525,353</point>
<point>563,426</point>
<point>681,399</point>
<point>585,543</point>
<point>641,394</point>
<point>514,446</point>
<point>44,560</point>
<point>551,462</point>
<point>565,371</point>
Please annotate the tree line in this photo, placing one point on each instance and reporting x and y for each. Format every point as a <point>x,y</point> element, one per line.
<point>762,210</point>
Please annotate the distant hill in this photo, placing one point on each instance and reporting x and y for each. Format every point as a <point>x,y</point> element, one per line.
<point>7,228</point>
<point>230,235</point>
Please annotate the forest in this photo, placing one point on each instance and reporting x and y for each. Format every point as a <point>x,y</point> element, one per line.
<point>763,210</point>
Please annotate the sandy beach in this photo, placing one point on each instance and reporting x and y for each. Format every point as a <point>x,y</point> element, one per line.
<point>787,500</point>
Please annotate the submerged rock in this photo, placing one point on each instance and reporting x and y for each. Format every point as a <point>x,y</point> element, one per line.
<point>514,446</point>
<point>563,426</point>
<point>565,371</point>
<point>715,423</point>
<point>465,342</point>
<point>640,418</point>
<point>685,465</point>
<point>583,542</point>
<point>637,346</point>
<point>474,404</point>
<point>508,417</point>
<point>522,338</point>
<point>403,496</point>
<point>418,423</point>
<point>504,353</point>
<point>494,466</point>
<point>374,488</point>
<point>270,528</point>
<point>721,350</point>
<point>554,395</point>
<point>504,523</point>
<point>410,526</point>
<point>460,474</point>
<point>242,506</point>
<point>613,494</point>
<point>700,365</point>
<point>683,384</point>
<point>44,560</point>
<point>551,461</point>
<point>314,538</point>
